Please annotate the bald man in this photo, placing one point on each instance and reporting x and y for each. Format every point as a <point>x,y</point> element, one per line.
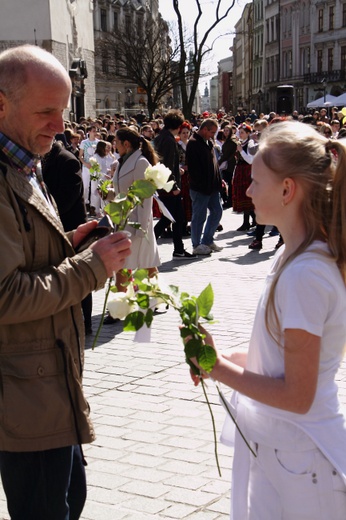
<point>44,417</point>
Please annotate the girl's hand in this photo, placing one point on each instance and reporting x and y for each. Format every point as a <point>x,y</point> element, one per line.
<point>209,341</point>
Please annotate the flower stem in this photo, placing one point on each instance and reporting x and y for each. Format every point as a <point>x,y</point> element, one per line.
<point>103,313</point>
<point>213,423</point>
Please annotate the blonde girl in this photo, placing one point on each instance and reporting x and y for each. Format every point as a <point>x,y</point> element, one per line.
<point>286,398</point>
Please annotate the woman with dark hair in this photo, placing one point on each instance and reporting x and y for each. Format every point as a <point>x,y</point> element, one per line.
<point>136,154</point>
<point>242,179</point>
<point>110,127</point>
<point>100,155</point>
<point>227,162</point>
<point>182,140</point>
<point>155,125</point>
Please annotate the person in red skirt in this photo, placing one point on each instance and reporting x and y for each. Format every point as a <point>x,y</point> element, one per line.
<point>242,179</point>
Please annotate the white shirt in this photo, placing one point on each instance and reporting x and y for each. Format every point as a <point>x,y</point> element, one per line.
<point>310,295</point>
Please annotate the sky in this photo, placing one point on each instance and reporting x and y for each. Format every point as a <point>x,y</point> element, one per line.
<point>224,29</point>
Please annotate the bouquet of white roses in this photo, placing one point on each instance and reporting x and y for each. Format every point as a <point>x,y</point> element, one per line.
<point>95,169</point>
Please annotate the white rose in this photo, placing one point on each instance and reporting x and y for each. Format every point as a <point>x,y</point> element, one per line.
<point>159,175</point>
<point>120,307</point>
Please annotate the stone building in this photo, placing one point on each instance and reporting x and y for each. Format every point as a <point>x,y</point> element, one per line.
<point>64,28</point>
<point>296,43</point>
<point>113,93</point>
<point>225,70</point>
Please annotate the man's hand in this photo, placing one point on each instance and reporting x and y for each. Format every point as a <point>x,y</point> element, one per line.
<point>82,231</point>
<point>113,251</point>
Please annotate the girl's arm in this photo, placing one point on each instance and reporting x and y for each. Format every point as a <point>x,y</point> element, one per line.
<point>295,392</point>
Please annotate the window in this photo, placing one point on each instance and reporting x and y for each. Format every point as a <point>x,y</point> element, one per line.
<point>289,64</point>
<point>331,18</point>
<point>305,60</point>
<point>343,58</point>
<point>105,68</point>
<point>330,59</point>
<point>289,22</point>
<point>115,21</point>
<point>344,14</point>
<point>117,62</point>
<point>319,60</point>
<point>140,26</point>
<point>103,20</point>
<point>302,17</point>
<point>128,23</point>
<point>320,20</point>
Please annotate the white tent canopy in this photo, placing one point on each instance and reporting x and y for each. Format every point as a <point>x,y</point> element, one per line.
<point>321,102</point>
<point>340,100</point>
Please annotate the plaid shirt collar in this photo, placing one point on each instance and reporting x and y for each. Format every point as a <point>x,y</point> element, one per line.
<point>20,158</point>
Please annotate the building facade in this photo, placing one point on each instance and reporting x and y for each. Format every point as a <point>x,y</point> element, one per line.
<point>225,72</point>
<point>298,43</point>
<point>114,93</point>
<point>242,49</point>
<point>64,28</point>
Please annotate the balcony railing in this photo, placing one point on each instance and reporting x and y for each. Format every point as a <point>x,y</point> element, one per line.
<point>327,77</point>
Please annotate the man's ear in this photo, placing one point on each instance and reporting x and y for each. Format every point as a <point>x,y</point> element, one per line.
<point>3,104</point>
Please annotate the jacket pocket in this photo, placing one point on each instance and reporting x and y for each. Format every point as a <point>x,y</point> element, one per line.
<point>34,397</point>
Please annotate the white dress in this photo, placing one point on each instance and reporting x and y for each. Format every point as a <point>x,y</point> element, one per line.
<point>144,250</point>
<point>310,295</point>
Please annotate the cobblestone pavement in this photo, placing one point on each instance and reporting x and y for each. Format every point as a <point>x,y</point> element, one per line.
<point>154,454</point>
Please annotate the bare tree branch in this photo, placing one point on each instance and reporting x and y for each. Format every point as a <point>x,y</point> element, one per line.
<point>143,57</point>
<point>189,88</point>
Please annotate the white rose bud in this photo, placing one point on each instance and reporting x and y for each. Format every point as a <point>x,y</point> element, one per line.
<point>159,175</point>
<point>120,307</point>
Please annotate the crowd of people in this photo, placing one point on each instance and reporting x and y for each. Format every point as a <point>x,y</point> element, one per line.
<point>233,141</point>
<point>288,172</point>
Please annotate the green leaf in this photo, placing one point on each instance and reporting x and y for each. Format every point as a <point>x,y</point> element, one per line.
<point>140,274</point>
<point>134,321</point>
<point>143,300</point>
<point>149,318</point>
<point>193,367</point>
<point>174,289</point>
<point>192,347</point>
<point>143,189</point>
<point>189,308</point>
<point>205,301</point>
<point>185,332</point>
<point>206,357</point>
<point>185,296</point>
